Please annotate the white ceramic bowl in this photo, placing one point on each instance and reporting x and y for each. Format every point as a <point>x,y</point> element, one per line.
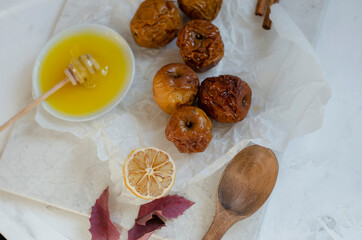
<point>99,29</point>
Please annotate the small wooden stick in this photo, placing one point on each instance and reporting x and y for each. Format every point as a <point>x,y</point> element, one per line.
<point>34,104</point>
<point>260,7</point>
<point>267,22</point>
<point>75,73</point>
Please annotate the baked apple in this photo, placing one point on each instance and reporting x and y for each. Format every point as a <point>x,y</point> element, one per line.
<point>225,98</point>
<point>155,23</point>
<point>175,85</point>
<point>201,45</point>
<point>200,9</point>
<point>189,128</point>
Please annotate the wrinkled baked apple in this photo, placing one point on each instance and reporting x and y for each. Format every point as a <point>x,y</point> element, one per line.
<point>200,9</point>
<point>189,128</point>
<point>155,23</point>
<point>201,45</point>
<point>175,85</point>
<point>225,98</point>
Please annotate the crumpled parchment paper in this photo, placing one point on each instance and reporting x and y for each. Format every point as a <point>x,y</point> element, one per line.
<point>289,88</point>
<point>289,95</point>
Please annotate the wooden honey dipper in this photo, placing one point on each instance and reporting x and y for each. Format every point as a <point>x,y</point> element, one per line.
<point>79,71</point>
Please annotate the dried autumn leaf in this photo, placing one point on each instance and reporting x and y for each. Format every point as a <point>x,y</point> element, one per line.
<point>101,226</point>
<point>144,232</point>
<point>153,215</point>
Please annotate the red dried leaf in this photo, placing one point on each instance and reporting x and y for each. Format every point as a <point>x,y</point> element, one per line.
<point>143,232</point>
<point>101,226</point>
<point>152,216</point>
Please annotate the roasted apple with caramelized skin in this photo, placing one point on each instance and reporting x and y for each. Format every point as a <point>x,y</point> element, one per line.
<point>175,85</point>
<point>225,98</point>
<point>155,23</point>
<point>189,128</point>
<point>200,9</point>
<point>201,45</point>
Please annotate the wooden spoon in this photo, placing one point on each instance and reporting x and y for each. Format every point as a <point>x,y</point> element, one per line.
<point>244,187</point>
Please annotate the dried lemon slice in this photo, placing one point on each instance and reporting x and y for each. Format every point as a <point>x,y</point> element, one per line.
<point>149,172</point>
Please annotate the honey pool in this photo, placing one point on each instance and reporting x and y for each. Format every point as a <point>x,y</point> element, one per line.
<point>104,88</point>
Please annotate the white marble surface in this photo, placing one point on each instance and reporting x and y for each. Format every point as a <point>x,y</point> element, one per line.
<point>25,18</point>
<point>318,192</point>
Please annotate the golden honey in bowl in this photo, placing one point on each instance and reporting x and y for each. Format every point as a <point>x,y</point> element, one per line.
<point>102,89</point>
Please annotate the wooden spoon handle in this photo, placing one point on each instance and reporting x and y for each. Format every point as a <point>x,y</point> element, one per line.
<point>34,104</point>
<point>222,222</point>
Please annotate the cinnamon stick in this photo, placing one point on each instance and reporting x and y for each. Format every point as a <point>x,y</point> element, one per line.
<point>267,22</point>
<point>260,7</point>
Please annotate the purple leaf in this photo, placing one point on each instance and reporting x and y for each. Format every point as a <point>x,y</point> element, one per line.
<point>153,215</point>
<point>101,226</point>
<point>143,232</point>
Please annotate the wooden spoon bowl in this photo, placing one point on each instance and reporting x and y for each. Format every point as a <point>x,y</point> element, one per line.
<point>244,187</point>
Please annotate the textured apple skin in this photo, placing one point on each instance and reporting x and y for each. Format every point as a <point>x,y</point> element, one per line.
<point>200,9</point>
<point>175,85</point>
<point>225,98</point>
<point>201,45</point>
<point>155,23</point>
<point>189,128</point>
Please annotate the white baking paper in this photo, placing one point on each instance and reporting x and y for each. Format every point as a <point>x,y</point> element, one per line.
<point>289,95</point>
<point>288,85</point>
<point>53,167</point>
